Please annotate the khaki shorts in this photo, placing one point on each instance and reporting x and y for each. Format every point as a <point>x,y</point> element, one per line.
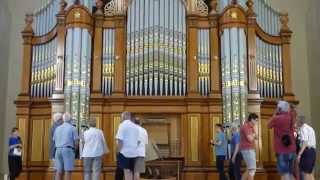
<point>249,156</point>
<point>139,165</point>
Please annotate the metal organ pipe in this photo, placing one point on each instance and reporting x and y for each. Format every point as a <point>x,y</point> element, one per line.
<point>156,48</point>
<point>267,18</point>
<point>203,62</point>
<point>269,69</point>
<point>77,73</point>
<point>234,74</point>
<point>108,61</point>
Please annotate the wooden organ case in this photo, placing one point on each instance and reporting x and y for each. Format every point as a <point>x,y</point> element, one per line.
<point>181,65</point>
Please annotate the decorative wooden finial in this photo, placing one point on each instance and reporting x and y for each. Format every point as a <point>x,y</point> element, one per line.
<point>28,20</point>
<point>250,10</point>
<point>63,5</point>
<point>99,5</point>
<point>214,5</point>
<point>284,20</point>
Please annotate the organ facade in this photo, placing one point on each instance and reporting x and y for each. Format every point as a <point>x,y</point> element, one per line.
<point>180,65</point>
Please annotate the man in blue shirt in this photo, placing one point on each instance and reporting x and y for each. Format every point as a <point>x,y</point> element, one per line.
<point>220,144</point>
<point>235,161</point>
<point>57,121</point>
<point>66,140</point>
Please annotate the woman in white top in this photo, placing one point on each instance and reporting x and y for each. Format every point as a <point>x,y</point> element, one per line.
<point>307,154</point>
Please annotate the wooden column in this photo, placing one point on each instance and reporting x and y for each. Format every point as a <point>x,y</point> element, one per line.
<point>251,55</point>
<point>120,59</point>
<point>285,34</point>
<point>97,52</point>
<point>192,64</point>
<point>61,36</point>
<point>215,61</point>
<point>27,35</point>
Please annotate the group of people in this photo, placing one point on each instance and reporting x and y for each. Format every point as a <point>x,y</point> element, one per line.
<point>131,141</point>
<point>65,145</point>
<point>294,145</point>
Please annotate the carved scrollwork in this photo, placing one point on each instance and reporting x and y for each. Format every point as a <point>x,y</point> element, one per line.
<point>115,7</point>
<point>202,8</point>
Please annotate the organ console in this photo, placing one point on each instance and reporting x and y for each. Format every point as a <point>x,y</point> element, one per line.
<point>190,63</point>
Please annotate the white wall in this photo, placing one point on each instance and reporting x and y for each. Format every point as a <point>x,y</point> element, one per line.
<point>18,9</point>
<point>297,22</point>
<point>4,57</point>
<point>313,38</point>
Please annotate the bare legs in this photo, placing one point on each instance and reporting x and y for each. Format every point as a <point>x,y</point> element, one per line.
<point>59,175</point>
<point>247,176</point>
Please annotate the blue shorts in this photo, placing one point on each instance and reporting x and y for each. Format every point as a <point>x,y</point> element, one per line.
<point>285,163</point>
<point>64,159</point>
<point>126,163</point>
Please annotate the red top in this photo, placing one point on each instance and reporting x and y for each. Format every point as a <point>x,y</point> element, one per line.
<point>283,124</point>
<point>245,130</point>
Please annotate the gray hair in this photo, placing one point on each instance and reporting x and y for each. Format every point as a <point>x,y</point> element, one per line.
<point>126,115</point>
<point>92,122</point>
<point>301,120</point>
<point>67,117</point>
<point>283,106</point>
<point>57,117</point>
<point>235,124</point>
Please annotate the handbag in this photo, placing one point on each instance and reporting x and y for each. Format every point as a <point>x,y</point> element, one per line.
<point>17,152</point>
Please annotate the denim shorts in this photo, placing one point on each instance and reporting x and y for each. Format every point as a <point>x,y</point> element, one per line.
<point>285,163</point>
<point>64,159</point>
<point>249,156</point>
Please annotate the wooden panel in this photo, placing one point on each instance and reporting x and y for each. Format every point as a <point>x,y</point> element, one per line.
<point>194,136</point>
<point>194,176</point>
<point>36,175</point>
<point>37,140</point>
<point>265,140</point>
<point>214,120</point>
<point>77,175</point>
<point>23,176</point>
<point>109,175</point>
<point>22,125</point>
<point>46,137</point>
<point>108,134</point>
<point>116,122</point>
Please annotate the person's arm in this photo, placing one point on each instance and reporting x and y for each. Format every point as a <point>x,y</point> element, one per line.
<point>76,138</point>
<point>219,140</point>
<point>14,143</point>
<point>304,139</point>
<point>119,138</point>
<point>119,145</point>
<point>236,150</point>
<point>250,136</point>
<point>105,146</point>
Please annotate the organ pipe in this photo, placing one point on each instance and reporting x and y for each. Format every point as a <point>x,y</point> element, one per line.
<point>42,69</point>
<point>269,73</point>
<point>77,74</point>
<point>234,74</point>
<point>156,46</point>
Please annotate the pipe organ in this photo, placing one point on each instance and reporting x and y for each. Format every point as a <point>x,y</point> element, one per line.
<point>156,48</point>
<point>180,65</point>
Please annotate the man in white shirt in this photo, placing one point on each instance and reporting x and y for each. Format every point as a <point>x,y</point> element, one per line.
<point>94,148</point>
<point>307,154</point>
<point>128,141</point>
<point>139,166</point>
